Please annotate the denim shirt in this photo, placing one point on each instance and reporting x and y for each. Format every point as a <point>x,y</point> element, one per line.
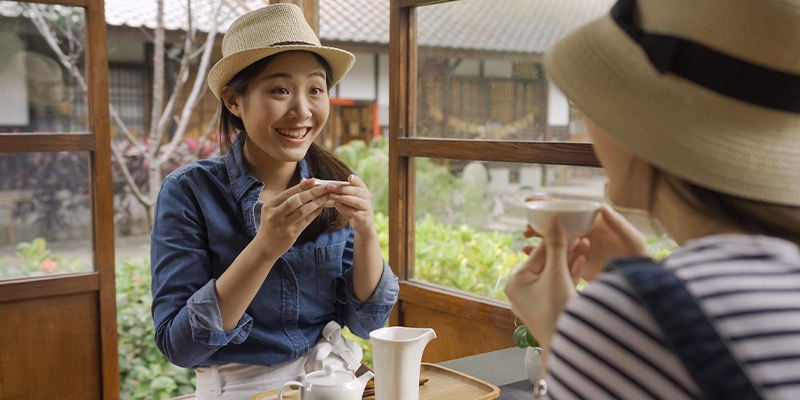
<point>205,215</point>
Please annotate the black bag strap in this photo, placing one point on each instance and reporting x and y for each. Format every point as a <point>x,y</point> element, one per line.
<point>687,329</point>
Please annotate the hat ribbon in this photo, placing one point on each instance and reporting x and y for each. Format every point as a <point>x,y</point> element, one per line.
<point>711,69</point>
<point>294,43</point>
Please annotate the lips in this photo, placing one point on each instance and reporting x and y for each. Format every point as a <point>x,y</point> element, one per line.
<point>294,133</point>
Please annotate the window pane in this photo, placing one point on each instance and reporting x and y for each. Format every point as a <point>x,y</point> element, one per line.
<point>480,72</point>
<point>470,217</point>
<point>126,95</point>
<point>40,94</point>
<point>45,214</point>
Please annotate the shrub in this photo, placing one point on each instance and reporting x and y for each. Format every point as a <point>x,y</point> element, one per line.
<point>34,258</point>
<point>472,260</point>
<point>144,372</point>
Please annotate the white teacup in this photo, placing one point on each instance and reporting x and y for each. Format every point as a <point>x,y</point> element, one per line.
<point>577,216</point>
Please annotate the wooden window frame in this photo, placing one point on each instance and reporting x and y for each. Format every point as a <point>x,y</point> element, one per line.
<point>404,146</point>
<point>98,284</point>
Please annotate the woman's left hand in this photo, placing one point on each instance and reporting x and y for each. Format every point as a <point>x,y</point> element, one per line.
<point>540,288</point>
<point>355,201</point>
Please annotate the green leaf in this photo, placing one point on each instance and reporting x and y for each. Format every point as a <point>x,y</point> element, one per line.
<point>524,338</point>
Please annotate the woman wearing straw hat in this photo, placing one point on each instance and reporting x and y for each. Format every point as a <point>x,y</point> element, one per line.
<point>694,112</point>
<point>256,265</point>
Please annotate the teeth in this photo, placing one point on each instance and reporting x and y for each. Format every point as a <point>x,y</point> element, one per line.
<point>295,133</point>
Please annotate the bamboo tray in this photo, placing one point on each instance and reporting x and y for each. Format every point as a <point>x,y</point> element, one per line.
<point>443,383</point>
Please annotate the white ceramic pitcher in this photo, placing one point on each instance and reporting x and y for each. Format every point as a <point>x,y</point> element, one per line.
<point>397,357</point>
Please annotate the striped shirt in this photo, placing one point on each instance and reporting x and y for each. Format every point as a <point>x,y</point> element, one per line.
<point>607,346</point>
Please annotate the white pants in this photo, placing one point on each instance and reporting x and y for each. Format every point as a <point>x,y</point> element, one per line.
<point>243,381</point>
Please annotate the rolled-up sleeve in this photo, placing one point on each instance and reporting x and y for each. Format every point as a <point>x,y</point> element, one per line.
<point>363,317</point>
<point>188,325</point>
<point>205,319</point>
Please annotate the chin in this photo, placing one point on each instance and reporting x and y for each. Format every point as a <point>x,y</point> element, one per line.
<point>626,200</point>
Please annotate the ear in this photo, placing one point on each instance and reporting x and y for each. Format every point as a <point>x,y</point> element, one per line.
<point>232,101</point>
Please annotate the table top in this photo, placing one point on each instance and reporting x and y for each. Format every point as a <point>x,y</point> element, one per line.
<point>498,367</point>
<point>504,368</point>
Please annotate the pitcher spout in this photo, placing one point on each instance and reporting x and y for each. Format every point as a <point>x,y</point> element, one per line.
<point>428,335</point>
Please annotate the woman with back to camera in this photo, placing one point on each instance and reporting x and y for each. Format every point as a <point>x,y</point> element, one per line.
<point>693,108</point>
<point>256,267</point>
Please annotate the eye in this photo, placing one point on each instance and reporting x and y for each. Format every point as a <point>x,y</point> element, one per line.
<point>317,90</point>
<point>280,90</point>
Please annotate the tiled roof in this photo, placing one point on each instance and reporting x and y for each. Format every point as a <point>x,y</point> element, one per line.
<point>360,21</point>
<point>141,13</point>
<point>526,25</point>
<point>504,25</point>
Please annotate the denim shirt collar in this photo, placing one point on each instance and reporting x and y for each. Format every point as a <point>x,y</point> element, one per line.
<point>240,177</point>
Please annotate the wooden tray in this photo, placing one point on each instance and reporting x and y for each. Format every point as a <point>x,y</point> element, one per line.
<point>443,383</point>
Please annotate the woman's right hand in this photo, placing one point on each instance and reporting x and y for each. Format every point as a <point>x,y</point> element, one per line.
<point>612,236</point>
<point>285,216</point>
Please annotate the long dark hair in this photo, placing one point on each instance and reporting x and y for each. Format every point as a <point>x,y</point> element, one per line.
<point>753,216</point>
<point>321,163</point>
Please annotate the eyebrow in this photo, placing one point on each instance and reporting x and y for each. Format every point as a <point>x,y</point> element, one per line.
<point>288,75</point>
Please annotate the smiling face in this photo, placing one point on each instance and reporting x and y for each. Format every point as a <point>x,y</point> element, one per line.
<point>284,108</point>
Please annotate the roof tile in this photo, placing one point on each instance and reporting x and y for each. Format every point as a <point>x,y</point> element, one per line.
<point>495,25</point>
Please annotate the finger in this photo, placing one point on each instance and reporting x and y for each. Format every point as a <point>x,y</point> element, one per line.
<point>582,246</point>
<point>576,268</point>
<point>535,261</point>
<point>556,244</point>
<point>528,249</point>
<point>294,202</point>
<point>530,232</point>
<point>282,197</point>
<point>355,180</point>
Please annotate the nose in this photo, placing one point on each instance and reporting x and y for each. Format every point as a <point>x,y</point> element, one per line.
<point>301,108</point>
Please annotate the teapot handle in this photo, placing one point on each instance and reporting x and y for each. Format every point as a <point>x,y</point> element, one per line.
<point>287,385</point>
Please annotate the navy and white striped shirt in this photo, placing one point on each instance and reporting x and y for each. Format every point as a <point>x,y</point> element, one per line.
<point>607,346</point>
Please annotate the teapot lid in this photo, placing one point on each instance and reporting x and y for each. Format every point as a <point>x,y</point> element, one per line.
<point>329,376</point>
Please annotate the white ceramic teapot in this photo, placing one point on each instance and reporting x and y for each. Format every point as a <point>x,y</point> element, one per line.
<point>329,384</point>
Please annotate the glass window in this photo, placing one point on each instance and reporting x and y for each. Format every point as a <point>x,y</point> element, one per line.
<point>45,214</point>
<point>479,78</point>
<point>480,73</point>
<point>40,94</point>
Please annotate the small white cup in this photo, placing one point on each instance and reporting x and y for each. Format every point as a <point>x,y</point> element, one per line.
<point>577,216</point>
<point>533,363</point>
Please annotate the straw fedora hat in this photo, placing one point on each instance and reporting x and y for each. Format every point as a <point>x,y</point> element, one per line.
<point>270,30</point>
<point>707,90</point>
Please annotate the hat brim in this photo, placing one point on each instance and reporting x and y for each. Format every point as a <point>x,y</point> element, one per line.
<point>699,135</point>
<point>340,61</point>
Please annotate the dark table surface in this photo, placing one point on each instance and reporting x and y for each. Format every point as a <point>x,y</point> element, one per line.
<point>522,390</point>
<point>504,368</point>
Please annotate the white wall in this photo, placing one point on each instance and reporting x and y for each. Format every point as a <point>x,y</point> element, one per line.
<point>383,89</point>
<point>557,106</point>
<point>13,86</point>
<point>359,83</point>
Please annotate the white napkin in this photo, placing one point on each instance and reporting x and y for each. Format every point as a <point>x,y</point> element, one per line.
<point>335,350</point>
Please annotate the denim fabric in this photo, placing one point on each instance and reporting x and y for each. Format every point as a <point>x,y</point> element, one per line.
<point>204,218</point>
